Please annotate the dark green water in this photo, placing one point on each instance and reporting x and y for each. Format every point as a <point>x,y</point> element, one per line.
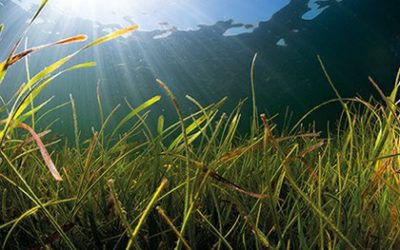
<point>355,39</point>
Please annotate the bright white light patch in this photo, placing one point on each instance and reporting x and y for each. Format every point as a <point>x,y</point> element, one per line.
<point>95,9</point>
<point>74,6</point>
<point>282,43</point>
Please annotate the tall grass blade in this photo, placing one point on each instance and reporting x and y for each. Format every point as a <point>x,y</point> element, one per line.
<point>186,142</point>
<point>253,97</point>
<point>146,212</point>
<point>349,138</point>
<point>76,129</point>
<point>28,77</point>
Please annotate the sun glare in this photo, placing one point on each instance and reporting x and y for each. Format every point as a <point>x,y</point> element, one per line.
<point>87,8</point>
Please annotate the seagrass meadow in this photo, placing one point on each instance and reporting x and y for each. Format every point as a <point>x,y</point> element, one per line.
<point>196,182</point>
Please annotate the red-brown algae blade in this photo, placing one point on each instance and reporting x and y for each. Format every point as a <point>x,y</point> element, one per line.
<point>226,182</point>
<point>74,39</point>
<point>31,139</point>
<point>46,156</point>
<point>19,56</point>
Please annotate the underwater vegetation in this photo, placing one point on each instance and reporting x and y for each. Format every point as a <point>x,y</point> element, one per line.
<point>196,184</point>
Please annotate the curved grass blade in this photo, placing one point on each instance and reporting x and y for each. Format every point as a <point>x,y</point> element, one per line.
<point>51,110</point>
<point>135,111</point>
<point>15,115</point>
<point>112,35</point>
<point>346,110</point>
<point>196,124</point>
<point>45,72</point>
<point>32,111</point>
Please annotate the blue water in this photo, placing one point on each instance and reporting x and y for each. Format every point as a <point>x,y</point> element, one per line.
<point>211,59</point>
